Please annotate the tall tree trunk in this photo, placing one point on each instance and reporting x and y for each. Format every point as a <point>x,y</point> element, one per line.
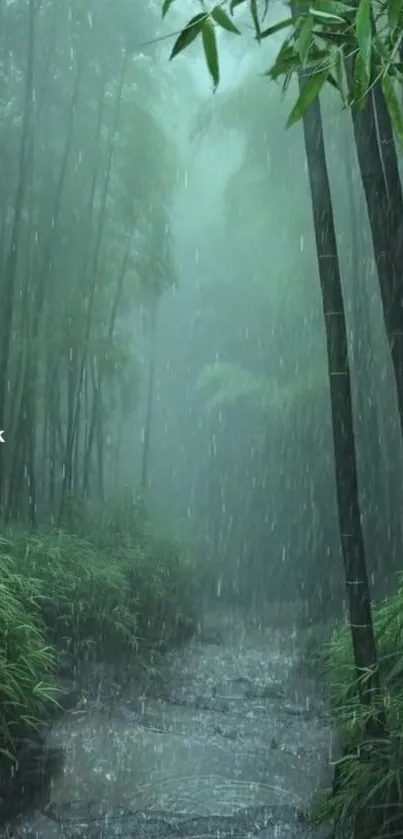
<point>27,396</point>
<point>93,284</point>
<point>150,398</point>
<point>96,406</point>
<point>31,457</point>
<point>100,449</point>
<point>392,177</point>
<point>375,512</point>
<point>383,195</point>
<point>352,541</point>
<point>8,282</point>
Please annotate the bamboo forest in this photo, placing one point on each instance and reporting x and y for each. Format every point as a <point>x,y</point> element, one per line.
<point>201,419</point>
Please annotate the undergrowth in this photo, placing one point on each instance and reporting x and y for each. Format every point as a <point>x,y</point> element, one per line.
<point>115,595</point>
<point>370,773</point>
<point>314,644</point>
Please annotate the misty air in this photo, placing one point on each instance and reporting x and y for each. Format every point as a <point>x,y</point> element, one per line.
<point>201,419</point>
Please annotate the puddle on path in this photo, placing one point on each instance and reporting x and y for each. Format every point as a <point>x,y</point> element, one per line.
<point>236,740</point>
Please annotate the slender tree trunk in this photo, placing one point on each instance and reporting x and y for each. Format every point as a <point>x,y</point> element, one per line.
<point>31,457</point>
<point>100,450</point>
<point>27,402</point>
<point>150,398</point>
<point>118,452</point>
<point>93,286</point>
<point>72,378</point>
<point>352,541</point>
<point>384,203</point>
<point>54,426</point>
<point>7,286</point>
<point>77,452</point>
<point>96,406</point>
<point>375,512</point>
<point>44,272</point>
<point>392,178</point>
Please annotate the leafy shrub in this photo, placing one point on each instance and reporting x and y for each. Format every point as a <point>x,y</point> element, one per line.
<point>60,592</point>
<point>159,570</point>
<point>27,661</point>
<point>85,599</point>
<point>161,575</point>
<point>370,774</point>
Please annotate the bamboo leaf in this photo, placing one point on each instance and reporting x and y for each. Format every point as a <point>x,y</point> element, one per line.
<point>255,17</point>
<point>166,6</point>
<point>223,19</point>
<point>211,52</point>
<point>338,67</point>
<point>283,24</point>
<point>188,34</point>
<point>304,41</point>
<point>309,93</point>
<point>393,106</point>
<point>234,3</point>
<point>286,61</point>
<point>328,9</point>
<point>394,13</point>
<point>266,8</point>
<point>325,16</point>
<point>364,33</point>
<point>286,83</point>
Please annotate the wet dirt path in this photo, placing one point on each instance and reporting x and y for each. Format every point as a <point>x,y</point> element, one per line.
<point>232,741</point>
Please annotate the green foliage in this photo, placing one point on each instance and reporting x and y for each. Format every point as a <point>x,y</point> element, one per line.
<point>309,93</point>
<point>367,36</point>
<point>369,769</point>
<point>221,17</point>
<point>115,599</point>
<point>189,34</point>
<point>95,195</point>
<point>210,52</point>
<point>86,598</point>
<point>27,660</point>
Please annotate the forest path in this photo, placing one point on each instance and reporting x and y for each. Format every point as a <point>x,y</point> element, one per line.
<point>233,741</point>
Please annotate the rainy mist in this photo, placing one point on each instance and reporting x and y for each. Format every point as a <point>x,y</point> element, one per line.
<point>201,434</point>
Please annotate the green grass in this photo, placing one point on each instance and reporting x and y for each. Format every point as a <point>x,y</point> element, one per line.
<point>61,593</point>
<point>371,771</point>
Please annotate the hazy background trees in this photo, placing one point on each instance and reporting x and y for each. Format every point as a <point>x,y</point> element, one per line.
<point>128,189</point>
<point>87,171</point>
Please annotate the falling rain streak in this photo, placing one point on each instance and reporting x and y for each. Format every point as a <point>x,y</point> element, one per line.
<point>201,384</point>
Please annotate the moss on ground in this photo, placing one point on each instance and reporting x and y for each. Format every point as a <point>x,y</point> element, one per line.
<point>115,599</point>
<point>370,773</point>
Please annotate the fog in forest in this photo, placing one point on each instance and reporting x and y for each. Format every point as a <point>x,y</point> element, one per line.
<point>242,455</point>
<point>181,637</point>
